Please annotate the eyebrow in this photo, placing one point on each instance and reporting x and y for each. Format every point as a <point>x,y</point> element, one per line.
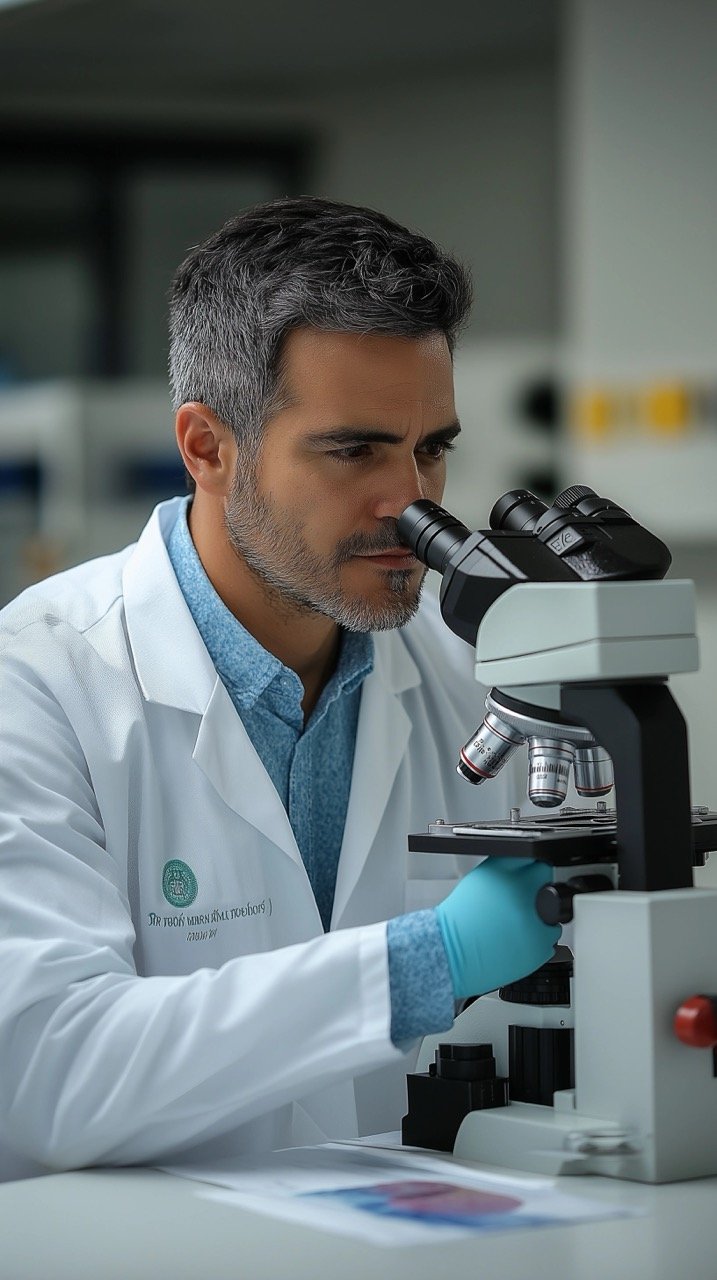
<point>344,436</point>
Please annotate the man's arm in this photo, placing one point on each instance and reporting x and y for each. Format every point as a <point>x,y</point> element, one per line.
<point>100,1065</point>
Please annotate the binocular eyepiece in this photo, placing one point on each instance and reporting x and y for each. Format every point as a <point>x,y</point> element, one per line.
<point>434,535</point>
<point>520,511</point>
<point>579,537</point>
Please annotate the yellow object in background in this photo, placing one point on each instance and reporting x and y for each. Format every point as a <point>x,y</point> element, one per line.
<point>666,408</point>
<point>594,413</point>
<point>661,408</point>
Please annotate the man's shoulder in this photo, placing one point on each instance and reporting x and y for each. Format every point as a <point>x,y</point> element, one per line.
<point>78,597</point>
<point>82,596</point>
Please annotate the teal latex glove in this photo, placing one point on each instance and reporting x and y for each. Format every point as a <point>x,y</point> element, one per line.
<point>491,930</point>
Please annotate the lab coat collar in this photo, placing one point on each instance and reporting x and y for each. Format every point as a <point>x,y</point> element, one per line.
<point>383,733</point>
<point>228,759</point>
<point>175,670</point>
<point>393,664</point>
<point>170,657</point>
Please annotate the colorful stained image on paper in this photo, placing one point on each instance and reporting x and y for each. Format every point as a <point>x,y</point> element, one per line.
<point>435,1204</point>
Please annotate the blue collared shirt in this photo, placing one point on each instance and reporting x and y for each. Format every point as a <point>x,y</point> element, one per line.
<point>310,765</point>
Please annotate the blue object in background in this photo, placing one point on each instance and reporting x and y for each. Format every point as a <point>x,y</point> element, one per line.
<point>155,476</point>
<point>20,478</point>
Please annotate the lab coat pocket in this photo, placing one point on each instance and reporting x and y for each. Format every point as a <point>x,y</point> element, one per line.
<point>421,894</point>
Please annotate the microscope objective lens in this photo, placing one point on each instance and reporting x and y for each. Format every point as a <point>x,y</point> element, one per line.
<point>549,771</point>
<point>487,750</point>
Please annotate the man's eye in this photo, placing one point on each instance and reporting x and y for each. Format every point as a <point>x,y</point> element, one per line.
<point>350,453</point>
<point>438,448</point>
<point>434,449</point>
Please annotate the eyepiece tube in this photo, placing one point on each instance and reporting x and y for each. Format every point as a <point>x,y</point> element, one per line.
<point>432,533</point>
<point>518,510</point>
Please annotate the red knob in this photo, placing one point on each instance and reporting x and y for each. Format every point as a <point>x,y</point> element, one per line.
<point>695,1022</point>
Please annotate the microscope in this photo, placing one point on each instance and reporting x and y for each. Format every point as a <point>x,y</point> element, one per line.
<point>604,1061</point>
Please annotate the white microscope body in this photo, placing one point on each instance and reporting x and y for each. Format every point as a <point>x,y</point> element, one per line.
<point>644,1101</point>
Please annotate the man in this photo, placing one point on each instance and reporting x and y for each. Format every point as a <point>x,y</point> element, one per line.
<point>215,742</point>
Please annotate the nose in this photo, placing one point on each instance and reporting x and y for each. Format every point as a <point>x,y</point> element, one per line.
<point>400,485</point>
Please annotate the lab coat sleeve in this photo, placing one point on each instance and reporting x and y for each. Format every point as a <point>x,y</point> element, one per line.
<point>99,1065</point>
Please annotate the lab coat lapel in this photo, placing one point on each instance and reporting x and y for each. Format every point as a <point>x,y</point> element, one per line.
<point>170,657</point>
<point>382,737</point>
<point>174,669</point>
<point>225,754</point>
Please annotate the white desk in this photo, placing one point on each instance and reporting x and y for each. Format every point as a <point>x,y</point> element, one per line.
<point>138,1224</point>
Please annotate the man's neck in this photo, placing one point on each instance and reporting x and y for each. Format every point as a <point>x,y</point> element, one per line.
<point>306,642</point>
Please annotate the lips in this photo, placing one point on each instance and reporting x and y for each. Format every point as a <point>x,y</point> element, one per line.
<point>394,553</point>
<point>394,559</point>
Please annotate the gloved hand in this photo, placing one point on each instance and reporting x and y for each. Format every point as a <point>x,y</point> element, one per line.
<point>491,930</point>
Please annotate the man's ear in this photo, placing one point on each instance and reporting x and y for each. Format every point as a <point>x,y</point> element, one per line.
<point>207,446</point>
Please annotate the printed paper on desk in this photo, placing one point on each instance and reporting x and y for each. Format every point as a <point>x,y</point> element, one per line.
<point>391,1198</point>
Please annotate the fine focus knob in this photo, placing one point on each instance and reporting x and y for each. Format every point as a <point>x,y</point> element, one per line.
<point>695,1022</point>
<point>550,984</point>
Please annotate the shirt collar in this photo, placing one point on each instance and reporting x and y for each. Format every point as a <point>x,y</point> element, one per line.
<point>244,665</point>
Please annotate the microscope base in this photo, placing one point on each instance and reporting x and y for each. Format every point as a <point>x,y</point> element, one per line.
<point>638,958</point>
<point>546,1140</point>
<point>644,1106</point>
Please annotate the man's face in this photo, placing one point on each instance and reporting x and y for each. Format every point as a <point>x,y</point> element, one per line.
<point>366,433</point>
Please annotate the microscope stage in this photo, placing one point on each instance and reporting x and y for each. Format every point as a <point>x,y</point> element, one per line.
<point>566,837</point>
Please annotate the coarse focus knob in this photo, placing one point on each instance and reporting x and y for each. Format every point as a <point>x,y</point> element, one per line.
<point>695,1022</point>
<point>554,902</point>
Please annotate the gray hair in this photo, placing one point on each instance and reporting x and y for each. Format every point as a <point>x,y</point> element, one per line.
<point>293,263</point>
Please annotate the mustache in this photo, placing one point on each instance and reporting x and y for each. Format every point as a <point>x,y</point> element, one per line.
<point>360,544</point>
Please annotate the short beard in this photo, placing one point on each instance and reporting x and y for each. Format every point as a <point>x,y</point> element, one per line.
<point>298,580</point>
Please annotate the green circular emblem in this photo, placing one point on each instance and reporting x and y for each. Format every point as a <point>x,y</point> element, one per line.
<point>179,883</point>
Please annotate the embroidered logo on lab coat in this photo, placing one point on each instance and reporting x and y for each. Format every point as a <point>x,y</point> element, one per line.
<point>179,883</point>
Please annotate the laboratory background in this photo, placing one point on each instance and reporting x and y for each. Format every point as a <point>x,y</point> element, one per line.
<point>565,151</point>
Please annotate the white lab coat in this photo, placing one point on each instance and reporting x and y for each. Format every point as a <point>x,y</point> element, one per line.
<point>133,1030</point>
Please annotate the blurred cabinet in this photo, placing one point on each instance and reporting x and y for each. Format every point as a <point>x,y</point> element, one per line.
<point>82,464</point>
<point>42,482</point>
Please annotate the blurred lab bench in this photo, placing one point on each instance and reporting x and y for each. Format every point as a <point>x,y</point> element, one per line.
<point>111,1224</point>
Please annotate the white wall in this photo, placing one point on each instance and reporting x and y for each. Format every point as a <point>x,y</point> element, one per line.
<point>471,159</point>
<point>640,164</point>
<point>640,112</point>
